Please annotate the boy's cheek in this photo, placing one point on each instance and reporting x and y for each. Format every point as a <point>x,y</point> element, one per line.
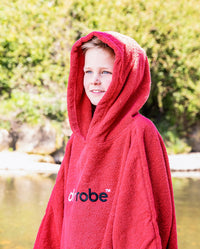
<point>86,80</point>
<point>85,83</point>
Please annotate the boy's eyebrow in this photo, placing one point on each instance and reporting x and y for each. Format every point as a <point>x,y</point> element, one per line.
<point>86,68</point>
<point>100,67</point>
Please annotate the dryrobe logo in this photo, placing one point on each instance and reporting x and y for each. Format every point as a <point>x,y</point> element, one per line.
<point>88,196</point>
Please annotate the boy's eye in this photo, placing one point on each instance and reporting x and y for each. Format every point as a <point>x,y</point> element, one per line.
<point>106,72</point>
<point>88,72</point>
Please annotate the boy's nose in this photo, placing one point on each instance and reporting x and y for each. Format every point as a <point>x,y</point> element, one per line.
<point>96,80</point>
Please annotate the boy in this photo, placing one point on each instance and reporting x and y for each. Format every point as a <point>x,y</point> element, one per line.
<point>114,187</point>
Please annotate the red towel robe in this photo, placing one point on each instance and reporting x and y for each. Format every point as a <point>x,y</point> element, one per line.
<point>113,190</point>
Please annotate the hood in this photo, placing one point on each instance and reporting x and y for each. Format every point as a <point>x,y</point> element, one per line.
<point>125,96</point>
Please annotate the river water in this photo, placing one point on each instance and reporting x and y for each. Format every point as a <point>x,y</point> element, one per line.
<point>23,201</point>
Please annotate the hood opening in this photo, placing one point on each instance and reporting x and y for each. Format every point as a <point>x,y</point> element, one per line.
<point>127,93</point>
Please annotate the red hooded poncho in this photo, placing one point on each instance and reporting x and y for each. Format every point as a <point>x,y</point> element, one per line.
<point>113,190</point>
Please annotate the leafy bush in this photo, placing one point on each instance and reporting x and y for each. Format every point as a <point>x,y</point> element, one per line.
<point>36,39</point>
<point>32,59</point>
<point>169,32</point>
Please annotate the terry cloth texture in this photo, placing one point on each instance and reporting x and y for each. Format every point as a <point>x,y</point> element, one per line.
<point>113,190</point>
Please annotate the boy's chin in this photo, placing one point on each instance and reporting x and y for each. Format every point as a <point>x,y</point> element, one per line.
<point>95,98</point>
<point>95,101</point>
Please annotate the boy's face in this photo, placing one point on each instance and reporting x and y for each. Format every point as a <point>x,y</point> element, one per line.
<point>98,71</point>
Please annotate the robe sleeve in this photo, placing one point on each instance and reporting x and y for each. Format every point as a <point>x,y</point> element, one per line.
<point>49,234</point>
<point>160,180</point>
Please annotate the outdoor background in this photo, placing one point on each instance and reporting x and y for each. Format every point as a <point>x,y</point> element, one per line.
<point>35,43</point>
<point>36,37</point>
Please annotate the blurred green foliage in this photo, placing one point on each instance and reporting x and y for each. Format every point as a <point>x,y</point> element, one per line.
<point>33,60</point>
<point>37,35</point>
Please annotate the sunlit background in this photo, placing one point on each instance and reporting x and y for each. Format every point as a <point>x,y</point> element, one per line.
<point>36,37</point>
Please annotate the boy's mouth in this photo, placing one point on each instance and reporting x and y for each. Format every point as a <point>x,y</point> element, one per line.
<point>97,91</point>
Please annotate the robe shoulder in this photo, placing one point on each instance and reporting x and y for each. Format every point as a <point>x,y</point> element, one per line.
<point>145,127</point>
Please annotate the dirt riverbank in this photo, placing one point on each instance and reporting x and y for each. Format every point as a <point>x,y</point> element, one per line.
<point>17,163</point>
